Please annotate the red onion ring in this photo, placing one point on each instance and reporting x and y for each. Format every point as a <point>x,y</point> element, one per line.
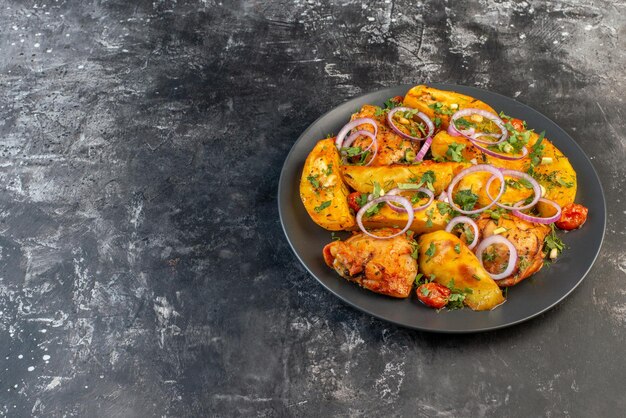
<point>464,220</point>
<point>470,134</point>
<point>474,169</point>
<point>387,198</point>
<point>422,152</point>
<point>536,219</point>
<point>353,136</point>
<point>397,191</point>
<point>498,239</point>
<point>443,197</point>
<point>429,124</point>
<point>518,174</point>
<point>351,125</point>
<point>452,131</point>
<point>497,155</point>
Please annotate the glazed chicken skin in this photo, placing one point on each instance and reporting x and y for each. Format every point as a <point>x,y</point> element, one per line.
<point>383,266</point>
<point>526,237</point>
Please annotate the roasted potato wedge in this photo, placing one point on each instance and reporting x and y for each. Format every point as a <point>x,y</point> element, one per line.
<point>362,178</point>
<point>441,104</point>
<point>556,174</point>
<point>446,264</point>
<point>427,220</point>
<point>322,189</point>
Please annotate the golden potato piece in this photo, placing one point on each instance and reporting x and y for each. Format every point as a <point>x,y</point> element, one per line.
<point>362,178</point>
<point>555,174</point>
<point>441,103</point>
<point>381,265</point>
<point>322,189</point>
<point>427,220</point>
<point>439,258</point>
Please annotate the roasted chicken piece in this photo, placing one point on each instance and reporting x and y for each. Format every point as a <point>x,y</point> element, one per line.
<point>392,148</point>
<point>381,265</point>
<point>526,237</point>
<point>445,258</point>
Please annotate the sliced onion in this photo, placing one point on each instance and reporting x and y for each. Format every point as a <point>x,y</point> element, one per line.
<point>471,133</point>
<point>536,219</point>
<point>498,239</point>
<point>353,136</point>
<point>351,125</point>
<point>387,198</point>
<point>429,124</point>
<point>519,175</point>
<point>464,220</point>
<point>443,197</point>
<point>397,191</point>
<point>474,169</point>
<point>452,131</point>
<point>498,155</point>
<point>424,149</point>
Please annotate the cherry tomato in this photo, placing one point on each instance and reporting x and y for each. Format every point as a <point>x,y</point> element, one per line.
<point>573,216</point>
<point>352,201</point>
<point>433,295</point>
<point>518,124</point>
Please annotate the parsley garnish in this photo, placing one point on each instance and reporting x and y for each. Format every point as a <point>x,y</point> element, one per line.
<point>457,296</point>
<point>362,199</point>
<point>430,252</point>
<point>323,206</point>
<point>457,248</point>
<point>415,246</point>
<point>466,199</point>
<point>314,182</point>
<point>454,152</point>
<point>439,108</point>
<point>429,214</point>
<point>329,169</point>
<point>537,151</point>
<point>352,151</point>
<point>552,241</point>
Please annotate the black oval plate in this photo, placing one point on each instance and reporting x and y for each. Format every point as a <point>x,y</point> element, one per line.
<point>526,300</point>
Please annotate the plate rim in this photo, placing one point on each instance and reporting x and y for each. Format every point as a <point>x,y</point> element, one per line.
<point>448,86</point>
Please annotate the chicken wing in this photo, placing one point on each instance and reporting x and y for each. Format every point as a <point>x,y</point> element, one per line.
<point>383,266</point>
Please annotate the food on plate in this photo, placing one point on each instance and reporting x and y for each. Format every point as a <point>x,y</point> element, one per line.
<point>322,191</point>
<point>440,180</point>
<point>385,266</point>
<point>526,237</point>
<point>445,259</point>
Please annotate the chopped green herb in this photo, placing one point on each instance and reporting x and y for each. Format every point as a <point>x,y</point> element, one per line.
<point>457,248</point>
<point>429,220</point>
<point>418,279</point>
<point>537,151</point>
<point>476,277</point>
<point>323,206</point>
<point>437,121</point>
<point>362,199</point>
<point>430,252</point>
<point>415,246</point>
<point>489,256</point>
<point>351,151</point>
<point>334,237</point>
<point>454,152</point>
<point>329,169</point>
<point>313,180</point>
<point>552,241</point>
<point>466,199</point>
<point>425,291</point>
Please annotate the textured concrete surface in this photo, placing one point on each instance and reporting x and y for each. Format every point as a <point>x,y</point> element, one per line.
<point>143,270</point>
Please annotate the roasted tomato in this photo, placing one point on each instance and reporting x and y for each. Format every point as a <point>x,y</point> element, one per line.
<point>433,295</point>
<point>573,216</point>
<point>518,124</point>
<point>353,201</point>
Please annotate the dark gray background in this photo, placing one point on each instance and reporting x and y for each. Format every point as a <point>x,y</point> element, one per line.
<point>141,250</point>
